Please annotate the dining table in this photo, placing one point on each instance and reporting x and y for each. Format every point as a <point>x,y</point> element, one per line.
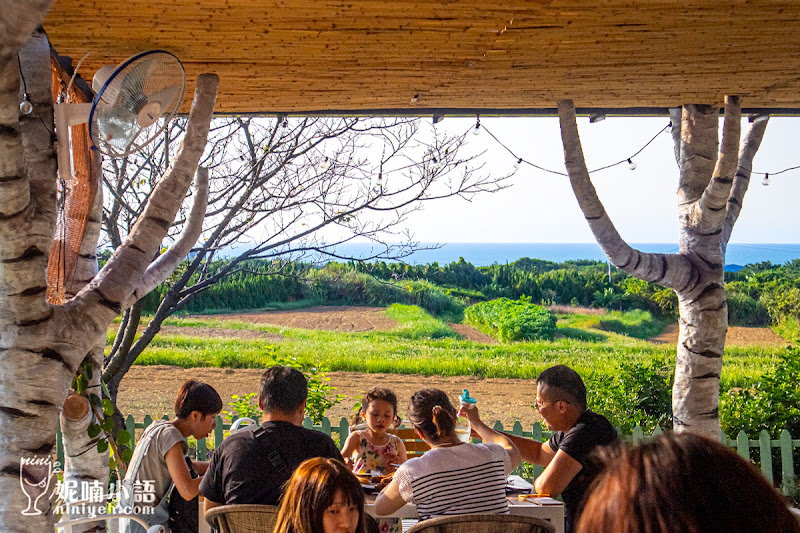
<point>543,507</point>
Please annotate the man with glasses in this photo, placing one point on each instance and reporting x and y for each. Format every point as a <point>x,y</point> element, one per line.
<point>577,432</point>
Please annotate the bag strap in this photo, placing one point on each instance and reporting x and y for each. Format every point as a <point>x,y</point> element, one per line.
<point>274,457</point>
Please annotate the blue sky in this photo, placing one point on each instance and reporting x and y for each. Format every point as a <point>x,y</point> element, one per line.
<point>540,207</point>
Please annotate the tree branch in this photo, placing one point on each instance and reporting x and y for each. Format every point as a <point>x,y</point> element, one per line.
<point>675,121</point>
<point>162,267</point>
<point>699,139</point>
<point>669,270</point>
<point>741,180</point>
<point>113,290</point>
<point>710,208</point>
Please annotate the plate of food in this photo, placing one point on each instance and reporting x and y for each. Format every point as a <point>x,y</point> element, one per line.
<point>373,482</point>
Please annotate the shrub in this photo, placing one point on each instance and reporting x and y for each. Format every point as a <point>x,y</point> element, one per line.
<point>743,310</point>
<point>772,404</point>
<point>636,394</point>
<point>512,320</point>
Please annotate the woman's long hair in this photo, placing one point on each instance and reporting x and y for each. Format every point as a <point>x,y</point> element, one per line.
<point>311,490</point>
<point>432,413</point>
<point>682,484</point>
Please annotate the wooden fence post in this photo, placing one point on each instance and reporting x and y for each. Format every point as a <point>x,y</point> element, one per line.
<point>536,434</point>
<point>765,447</point>
<point>787,461</point>
<point>219,432</point>
<point>130,425</point>
<point>637,436</point>
<point>344,431</point>
<point>743,445</point>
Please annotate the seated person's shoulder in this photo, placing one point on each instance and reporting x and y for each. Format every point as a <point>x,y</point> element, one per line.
<point>592,430</point>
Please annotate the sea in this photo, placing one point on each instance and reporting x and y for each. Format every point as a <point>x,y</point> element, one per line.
<point>483,253</point>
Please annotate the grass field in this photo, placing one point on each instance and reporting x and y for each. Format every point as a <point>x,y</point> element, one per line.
<point>424,345</point>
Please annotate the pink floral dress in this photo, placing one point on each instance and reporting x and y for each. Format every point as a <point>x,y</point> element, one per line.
<point>369,459</point>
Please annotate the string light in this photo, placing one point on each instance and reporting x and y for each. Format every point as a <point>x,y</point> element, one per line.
<point>628,160</point>
<point>25,106</point>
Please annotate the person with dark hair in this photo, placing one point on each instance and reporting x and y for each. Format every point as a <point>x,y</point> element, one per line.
<point>372,451</point>
<point>322,496</point>
<point>577,433</point>
<point>252,465</point>
<point>159,460</point>
<point>453,477</point>
<point>683,483</point>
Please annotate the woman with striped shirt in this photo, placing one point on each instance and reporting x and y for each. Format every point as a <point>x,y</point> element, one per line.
<point>453,477</point>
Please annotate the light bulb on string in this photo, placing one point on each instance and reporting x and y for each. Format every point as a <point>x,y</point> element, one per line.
<point>518,163</point>
<point>631,164</point>
<point>477,129</point>
<point>765,181</point>
<point>25,106</point>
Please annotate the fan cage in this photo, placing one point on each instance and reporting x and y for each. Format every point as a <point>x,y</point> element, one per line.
<point>135,82</point>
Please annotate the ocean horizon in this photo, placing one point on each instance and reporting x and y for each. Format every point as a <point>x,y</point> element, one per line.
<point>484,254</point>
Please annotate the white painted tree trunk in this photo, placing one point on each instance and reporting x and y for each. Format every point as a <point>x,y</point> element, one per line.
<point>711,189</point>
<point>42,345</point>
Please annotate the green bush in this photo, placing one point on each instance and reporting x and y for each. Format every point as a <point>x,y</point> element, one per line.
<point>636,394</point>
<point>512,320</point>
<point>743,310</point>
<point>773,403</point>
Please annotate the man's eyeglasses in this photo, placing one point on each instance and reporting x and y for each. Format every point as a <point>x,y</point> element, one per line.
<point>539,406</point>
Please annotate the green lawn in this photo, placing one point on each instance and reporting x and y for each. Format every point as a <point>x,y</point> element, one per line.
<point>422,344</point>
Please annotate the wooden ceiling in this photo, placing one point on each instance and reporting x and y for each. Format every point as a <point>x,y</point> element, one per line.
<point>415,56</point>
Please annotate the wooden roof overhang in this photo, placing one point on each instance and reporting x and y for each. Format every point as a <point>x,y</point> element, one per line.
<point>452,57</point>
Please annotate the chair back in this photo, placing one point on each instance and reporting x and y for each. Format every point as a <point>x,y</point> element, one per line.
<point>415,446</point>
<point>243,518</point>
<point>483,523</point>
<point>65,526</point>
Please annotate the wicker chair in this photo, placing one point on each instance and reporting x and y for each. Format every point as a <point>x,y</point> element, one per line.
<point>483,523</point>
<point>243,518</point>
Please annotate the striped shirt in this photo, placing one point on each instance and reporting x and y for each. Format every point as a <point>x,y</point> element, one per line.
<point>464,479</point>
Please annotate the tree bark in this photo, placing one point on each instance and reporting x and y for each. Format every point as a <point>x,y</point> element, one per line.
<point>708,197</point>
<point>42,345</point>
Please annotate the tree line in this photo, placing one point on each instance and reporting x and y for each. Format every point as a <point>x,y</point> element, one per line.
<point>758,295</point>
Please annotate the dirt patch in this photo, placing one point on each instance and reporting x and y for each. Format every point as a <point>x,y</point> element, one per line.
<point>737,336</point>
<point>472,334</point>
<point>329,318</point>
<point>151,390</point>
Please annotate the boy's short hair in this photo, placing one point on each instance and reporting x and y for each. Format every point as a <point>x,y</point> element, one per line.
<point>563,381</point>
<point>283,389</point>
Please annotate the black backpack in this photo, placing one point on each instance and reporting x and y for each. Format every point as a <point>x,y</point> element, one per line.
<point>183,513</point>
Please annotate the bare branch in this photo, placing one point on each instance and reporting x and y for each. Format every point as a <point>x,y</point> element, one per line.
<point>741,180</point>
<point>699,140</point>
<point>675,121</point>
<point>162,267</point>
<point>113,289</point>
<point>668,270</point>
<point>709,212</point>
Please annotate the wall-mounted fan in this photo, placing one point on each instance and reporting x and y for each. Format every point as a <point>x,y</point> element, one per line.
<point>134,102</point>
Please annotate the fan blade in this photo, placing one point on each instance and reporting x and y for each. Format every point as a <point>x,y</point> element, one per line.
<point>127,87</point>
<point>165,97</point>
